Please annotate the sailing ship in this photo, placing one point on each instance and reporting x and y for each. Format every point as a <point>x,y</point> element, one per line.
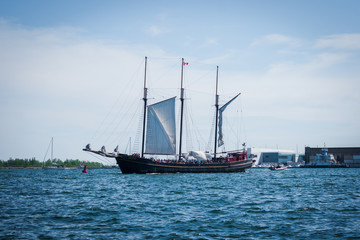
<point>159,138</point>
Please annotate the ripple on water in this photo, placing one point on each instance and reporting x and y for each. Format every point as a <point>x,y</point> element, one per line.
<point>258,204</point>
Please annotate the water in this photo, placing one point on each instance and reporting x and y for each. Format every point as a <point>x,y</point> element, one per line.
<point>104,204</point>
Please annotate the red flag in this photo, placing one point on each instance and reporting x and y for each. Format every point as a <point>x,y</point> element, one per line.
<point>186,63</point>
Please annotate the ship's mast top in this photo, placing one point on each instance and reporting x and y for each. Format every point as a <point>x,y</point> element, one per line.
<point>182,105</point>
<point>145,105</point>
<point>217,110</point>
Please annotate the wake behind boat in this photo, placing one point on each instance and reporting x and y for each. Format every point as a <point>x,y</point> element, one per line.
<point>159,138</point>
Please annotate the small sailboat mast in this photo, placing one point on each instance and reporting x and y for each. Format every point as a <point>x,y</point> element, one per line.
<point>145,106</point>
<point>52,149</point>
<point>51,154</point>
<point>217,109</point>
<point>182,105</point>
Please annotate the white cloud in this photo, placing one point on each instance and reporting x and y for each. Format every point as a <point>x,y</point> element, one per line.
<point>337,41</point>
<point>163,16</point>
<point>316,62</point>
<point>53,83</point>
<point>220,59</point>
<point>340,41</point>
<point>277,39</point>
<point>155,30</point>
<point>326,60</point>
<point>209,42</point>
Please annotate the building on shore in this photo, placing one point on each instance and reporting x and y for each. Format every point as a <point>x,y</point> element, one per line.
<point>343,155</point>
<point>264,157</point>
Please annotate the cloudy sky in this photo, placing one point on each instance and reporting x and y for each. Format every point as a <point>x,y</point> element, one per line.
<point>73,70</point>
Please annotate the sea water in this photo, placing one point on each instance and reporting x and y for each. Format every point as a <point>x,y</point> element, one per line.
<point>105,204</point>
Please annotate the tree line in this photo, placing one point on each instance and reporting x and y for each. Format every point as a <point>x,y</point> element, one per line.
<point>33,163</point>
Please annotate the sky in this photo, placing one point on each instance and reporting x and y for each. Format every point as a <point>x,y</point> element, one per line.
<point>74,70</point>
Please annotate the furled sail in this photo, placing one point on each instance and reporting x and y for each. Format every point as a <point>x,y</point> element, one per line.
<point>199,155</point>
<point>221,110</point>
<point>161,131</point>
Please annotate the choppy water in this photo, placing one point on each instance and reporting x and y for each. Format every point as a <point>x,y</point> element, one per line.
<point>104,204</point>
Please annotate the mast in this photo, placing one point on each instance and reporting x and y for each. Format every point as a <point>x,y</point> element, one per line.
<point>145,105</point>
<point>217,109</point>
<point>182,105</point>
<point>52,149</point>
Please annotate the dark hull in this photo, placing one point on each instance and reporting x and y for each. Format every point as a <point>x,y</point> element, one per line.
<point>130,164</point>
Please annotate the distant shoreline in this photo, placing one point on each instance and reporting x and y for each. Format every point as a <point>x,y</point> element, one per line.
<point>65,168</point>
<point>36,164</point>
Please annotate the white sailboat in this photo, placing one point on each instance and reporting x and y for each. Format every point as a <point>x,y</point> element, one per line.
<point>53,166</point>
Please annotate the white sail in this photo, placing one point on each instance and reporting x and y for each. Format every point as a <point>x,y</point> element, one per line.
<point>161,131</point>
<point>221,110</point>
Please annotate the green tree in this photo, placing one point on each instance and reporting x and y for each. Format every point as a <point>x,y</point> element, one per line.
<point>32,162</point>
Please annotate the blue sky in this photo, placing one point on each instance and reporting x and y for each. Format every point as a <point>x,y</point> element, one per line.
<point>70,69</point>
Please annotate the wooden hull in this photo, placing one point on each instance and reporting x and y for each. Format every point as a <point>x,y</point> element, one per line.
<point>131,164</point>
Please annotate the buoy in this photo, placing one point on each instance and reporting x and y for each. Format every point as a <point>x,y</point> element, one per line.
<point>84,170</point>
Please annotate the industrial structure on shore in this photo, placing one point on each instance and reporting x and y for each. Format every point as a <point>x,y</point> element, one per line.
<point>264,157</point>
<point>343,155</point>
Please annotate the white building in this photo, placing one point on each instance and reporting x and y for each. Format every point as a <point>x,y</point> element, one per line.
<point>266,157</point>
